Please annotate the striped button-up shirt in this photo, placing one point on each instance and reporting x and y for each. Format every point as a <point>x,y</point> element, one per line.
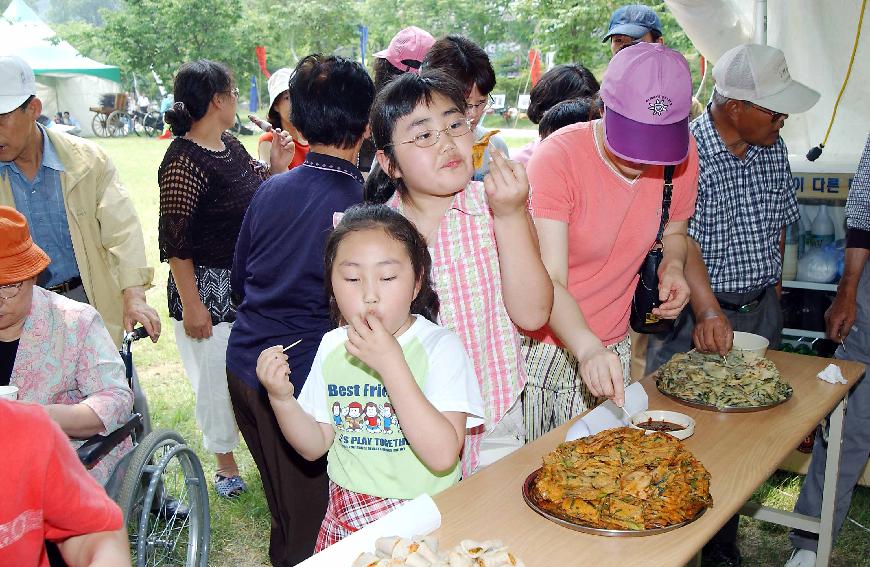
<point>858,202</point>
<point>742,207</point>
<point>467,278</point>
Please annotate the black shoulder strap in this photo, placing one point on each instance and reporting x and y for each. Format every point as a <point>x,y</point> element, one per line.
<point>666,200</point>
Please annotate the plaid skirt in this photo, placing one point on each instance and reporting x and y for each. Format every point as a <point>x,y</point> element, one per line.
<point>348,511</point>
<point>555,391</point>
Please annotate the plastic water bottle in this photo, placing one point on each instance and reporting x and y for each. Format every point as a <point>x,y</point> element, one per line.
<point>822,231</point>
<point>790,255</point>
<point>803,233</point>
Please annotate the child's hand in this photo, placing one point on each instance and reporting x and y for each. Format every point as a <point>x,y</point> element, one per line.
<point>273,371</point>
<point>369,341</point>
<point>506,184</point>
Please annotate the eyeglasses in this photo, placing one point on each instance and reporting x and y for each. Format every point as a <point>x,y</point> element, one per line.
<point>488,103</point>
<point>774,116</point>
<point>235,92</point>
<point>428,138</point>
<point>9,291</point>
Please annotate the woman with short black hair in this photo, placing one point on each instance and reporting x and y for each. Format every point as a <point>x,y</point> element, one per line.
<point>561,83</point>
<point>278,277</point>
<point>207,179</point>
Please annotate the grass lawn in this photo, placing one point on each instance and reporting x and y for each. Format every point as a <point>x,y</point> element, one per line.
<point>240,529</point>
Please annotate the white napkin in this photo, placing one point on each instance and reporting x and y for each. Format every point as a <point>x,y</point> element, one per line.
<point>832,375</point>
<point>416,517</point>
<point>608,415</point>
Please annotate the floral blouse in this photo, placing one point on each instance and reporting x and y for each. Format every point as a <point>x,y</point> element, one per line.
<point>66,356</point>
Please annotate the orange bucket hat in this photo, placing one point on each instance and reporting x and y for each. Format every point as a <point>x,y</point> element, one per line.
<point>20,257</point>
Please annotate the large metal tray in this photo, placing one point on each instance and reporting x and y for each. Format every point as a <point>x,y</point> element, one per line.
<point>725,409</point>
<point>527,496</point>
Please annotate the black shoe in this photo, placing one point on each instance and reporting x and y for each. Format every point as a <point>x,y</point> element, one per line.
<point>173,508</point>
<point>721,555</point>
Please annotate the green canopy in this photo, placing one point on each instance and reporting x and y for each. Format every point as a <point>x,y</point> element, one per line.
<point>24,34</point>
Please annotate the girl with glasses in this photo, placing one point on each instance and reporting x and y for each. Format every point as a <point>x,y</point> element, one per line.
<point>486,267</point>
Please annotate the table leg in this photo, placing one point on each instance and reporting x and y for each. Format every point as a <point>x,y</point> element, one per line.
<point>829,493</point>
<point>696,560</point>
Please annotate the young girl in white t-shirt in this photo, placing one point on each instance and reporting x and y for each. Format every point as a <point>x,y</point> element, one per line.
<point>383,448</point>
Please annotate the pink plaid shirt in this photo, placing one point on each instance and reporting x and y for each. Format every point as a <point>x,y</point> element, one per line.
<point>467,277</point>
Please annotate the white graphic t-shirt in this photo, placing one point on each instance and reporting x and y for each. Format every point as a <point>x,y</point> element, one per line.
<point>370,454</point>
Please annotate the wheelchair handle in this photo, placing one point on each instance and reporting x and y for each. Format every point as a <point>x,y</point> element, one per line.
<point>131,336</point>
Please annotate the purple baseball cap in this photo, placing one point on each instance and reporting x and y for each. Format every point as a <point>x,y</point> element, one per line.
<point>647,95</point>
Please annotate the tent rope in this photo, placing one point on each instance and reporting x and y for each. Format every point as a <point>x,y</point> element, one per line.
<point>815,152</point>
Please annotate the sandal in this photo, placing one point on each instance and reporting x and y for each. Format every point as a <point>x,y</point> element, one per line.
<point>229,486</point>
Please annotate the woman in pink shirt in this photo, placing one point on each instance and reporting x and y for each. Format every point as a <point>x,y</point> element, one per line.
<point>597,202</point>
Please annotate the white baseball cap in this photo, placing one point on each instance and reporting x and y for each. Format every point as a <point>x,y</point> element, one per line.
<point>17,82</point>
<point>759,74</point>
<point>278,83</point>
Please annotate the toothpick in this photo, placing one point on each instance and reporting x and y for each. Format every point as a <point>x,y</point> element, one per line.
<point>285,349</point>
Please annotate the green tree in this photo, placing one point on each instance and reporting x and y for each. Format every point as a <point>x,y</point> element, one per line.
<point>573,30</point>
<point>496,25</point>
<point>485,22</point>
<point>289,31</point>
<point>162,34</point>
<point>63,11</point>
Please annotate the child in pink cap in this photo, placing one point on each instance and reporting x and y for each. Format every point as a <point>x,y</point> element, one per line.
<point>404,55</point>
<point>597,204</point>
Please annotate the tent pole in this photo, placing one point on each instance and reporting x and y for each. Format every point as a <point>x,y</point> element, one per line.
<point>760,35</point>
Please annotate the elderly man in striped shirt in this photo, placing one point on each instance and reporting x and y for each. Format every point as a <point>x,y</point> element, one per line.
<point>745,200</point>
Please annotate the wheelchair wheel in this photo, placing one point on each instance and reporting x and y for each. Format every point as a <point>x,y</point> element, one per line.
<point>164,498</point>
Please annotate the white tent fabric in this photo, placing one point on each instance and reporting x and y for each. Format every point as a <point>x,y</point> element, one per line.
<point>66,80</point>
<point>817,39</point>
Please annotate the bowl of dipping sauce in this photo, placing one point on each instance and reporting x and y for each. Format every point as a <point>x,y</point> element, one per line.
<point>753,346</point>
<point>676,424</point>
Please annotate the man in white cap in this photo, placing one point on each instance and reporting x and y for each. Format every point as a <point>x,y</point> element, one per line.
<point>68,190</point>
<point>745,201</point>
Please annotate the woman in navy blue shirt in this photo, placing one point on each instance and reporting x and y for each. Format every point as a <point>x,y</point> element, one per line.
<point>278,280</point>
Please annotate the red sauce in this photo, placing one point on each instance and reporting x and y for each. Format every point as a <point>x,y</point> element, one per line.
<point>651,425</point>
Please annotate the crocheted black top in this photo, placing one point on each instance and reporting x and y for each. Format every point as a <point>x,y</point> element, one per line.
<point>203,198</point>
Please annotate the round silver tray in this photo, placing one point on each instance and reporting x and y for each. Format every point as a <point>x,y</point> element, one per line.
<point>527,496</point>
<point>725,409</point>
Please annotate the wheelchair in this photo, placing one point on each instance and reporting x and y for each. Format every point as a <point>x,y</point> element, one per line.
<point>159,484</point>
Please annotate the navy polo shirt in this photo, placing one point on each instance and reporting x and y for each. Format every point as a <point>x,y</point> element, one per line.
<point>278,265</point>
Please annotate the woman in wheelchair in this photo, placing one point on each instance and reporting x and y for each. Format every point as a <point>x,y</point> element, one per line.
<point>57,351</point>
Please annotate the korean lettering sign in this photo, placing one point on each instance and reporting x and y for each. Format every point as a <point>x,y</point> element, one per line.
<point>833,186</point>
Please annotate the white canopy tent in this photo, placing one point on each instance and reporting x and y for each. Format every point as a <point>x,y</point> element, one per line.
<point>817,39</point>
<point>66,80</point>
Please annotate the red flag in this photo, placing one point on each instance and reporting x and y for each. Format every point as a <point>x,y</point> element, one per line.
<point>261,59</point>
<point>535,65</point>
